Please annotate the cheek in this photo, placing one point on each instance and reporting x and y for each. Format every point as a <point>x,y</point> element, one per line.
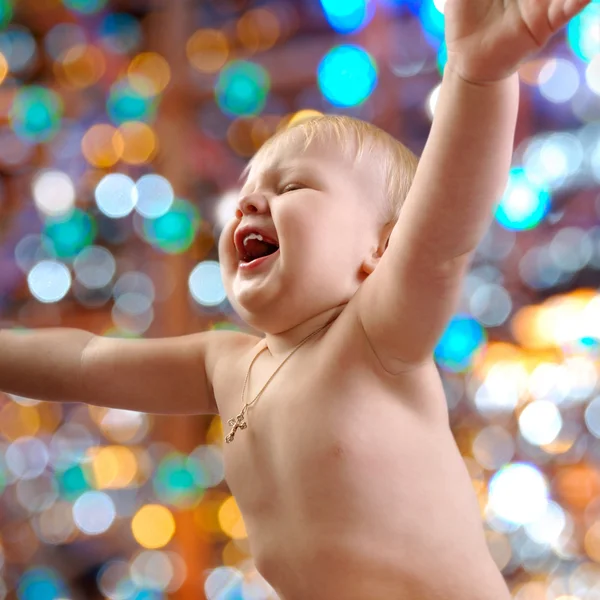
<point>225,247</point>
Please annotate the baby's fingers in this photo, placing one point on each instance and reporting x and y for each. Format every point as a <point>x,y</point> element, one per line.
<point>562,11</point>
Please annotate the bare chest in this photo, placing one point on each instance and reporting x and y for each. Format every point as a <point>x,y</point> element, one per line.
<point>335,457</point>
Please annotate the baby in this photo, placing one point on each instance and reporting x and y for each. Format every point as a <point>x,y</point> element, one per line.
<point>350,259</point>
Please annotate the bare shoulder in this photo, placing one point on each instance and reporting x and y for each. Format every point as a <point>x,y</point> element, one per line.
<point>220,347</point>
<point>418,386</point>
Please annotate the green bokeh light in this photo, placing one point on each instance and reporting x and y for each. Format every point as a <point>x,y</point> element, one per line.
<point>126,104</point>
<point>72,483</point>
<point>242,89</point>
<point>173,232</point>
<point>36,113</point>
<point>72,234</point>
<point>177,481</point>
<point>86,7</point>
<point>6,12</point>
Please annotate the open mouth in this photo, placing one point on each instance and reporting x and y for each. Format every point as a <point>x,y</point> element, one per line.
<point>256,249</point>
<point>256,263</point>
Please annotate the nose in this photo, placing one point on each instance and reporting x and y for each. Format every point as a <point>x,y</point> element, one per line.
<point>252,204</point>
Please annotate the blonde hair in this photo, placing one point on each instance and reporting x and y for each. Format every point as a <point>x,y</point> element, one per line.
<point>395,161</point>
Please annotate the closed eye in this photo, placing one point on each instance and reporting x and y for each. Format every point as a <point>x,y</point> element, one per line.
<point>290,187</point>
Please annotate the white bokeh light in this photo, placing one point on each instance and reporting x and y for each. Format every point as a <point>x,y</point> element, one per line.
<point>53,193</point>
<point>225,207</point>
<point>540,422</point>
<point>432,101</point>
<point>116,195</point>
<point>206,285</point>
<point>518,493</point>
<point>155,196</point>
<point>558,80</point>
<point>49,281</point>
<point>592,74</point>
<point>547,528</point>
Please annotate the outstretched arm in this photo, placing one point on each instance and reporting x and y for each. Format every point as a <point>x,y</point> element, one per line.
<point>406,302</point>
<point>409,298</point>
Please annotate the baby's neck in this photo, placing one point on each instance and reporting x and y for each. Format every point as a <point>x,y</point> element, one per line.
<point>281,344</point>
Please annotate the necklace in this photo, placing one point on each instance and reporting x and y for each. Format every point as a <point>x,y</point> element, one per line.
<point>239,422</point>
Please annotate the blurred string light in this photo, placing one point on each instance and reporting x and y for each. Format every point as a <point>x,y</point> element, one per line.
<point>258,29</point>
<point>459,344</point>
<point>173,232</point>
<point>583,32</point>
<point>134,295</point>
<point>120,32</point>
<point>126,103</point>
<point>155,196</point>
<point>179,480</point>
<point>116,195</point>
<point>592,74</point>
<point>102,145</point>
<point>94,267</point>
<point>551,161</point>
<point>518,493</point>
<point>80,66</point>
<point>6,12</point>
<point>140,142</point>
<point>70,234</point>
<point>442,57</point>
<point>432,20</point>
<point>559,80</point>
<point>242,88</point>
<point>53,193</point>
<point>4,69</point>
<point>540,422</point>
<point>348,16</point>
<point>347,75</point>
<point>149,74</point>
<point>62,37</point>
<point>153,526</point>
<point>41,582</point>
<point>524,204</point>
<point>49,281</point>
<point>18,45</point>
<point>86,7</point>
<point>31,249</point>
<point>133,142</point>
<point>432,100</point>
<point>207,50</point>
<point>94,512</point>
<point>206,285</point>
<point>36,113</point>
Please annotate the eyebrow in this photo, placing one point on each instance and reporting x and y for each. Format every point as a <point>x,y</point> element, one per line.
<point>269,173</point>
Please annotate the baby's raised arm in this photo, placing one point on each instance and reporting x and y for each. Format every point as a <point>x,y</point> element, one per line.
<point>163,376</point>
<point>406,303</point>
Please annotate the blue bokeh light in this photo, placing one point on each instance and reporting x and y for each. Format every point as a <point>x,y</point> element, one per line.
<point>347,75</point>
<point>348,16</point>
<point>433,22</point>
<point>582,32</point>
<point>459,345</point>
<point>524,203</point>
<point>242,89</point>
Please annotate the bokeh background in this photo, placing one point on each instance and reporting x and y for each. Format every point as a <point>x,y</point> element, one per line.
<point>124,126</point>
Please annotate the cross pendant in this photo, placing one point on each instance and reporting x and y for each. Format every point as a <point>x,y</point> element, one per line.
<point>237,423</point>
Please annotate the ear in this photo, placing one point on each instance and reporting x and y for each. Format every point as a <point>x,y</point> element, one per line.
<point>369,264</point>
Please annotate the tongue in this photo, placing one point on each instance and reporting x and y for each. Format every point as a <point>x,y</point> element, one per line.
<point>256,248</point>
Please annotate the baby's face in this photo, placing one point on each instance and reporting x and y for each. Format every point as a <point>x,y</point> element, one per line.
<point>317,206</point>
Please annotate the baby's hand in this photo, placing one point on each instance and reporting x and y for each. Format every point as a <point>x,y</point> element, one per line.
<point>487,39</point>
